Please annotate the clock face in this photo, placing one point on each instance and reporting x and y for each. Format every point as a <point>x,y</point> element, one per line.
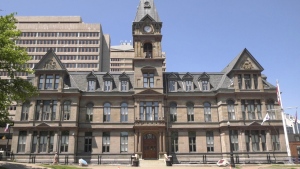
<point>147,28</point>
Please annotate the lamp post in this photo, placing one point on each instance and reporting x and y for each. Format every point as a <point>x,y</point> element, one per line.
<point>230,146</point>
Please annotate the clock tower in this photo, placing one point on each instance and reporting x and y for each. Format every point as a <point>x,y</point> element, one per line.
<point>148,59</point>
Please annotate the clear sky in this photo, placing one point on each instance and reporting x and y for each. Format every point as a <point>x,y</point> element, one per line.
<point>200,35</point>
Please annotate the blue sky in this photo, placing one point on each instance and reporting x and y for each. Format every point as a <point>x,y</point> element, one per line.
<point>200,35</point>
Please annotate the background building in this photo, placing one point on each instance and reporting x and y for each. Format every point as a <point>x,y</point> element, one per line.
<point>193,116</point>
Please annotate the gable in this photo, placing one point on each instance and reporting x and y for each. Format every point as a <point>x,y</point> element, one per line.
<point>91,76</point>
<point>147,18</point>
<point>49,62</point>
<point>172,76</point>
<point>247,62</point>
<point>123,76</point>
<point>254,124</point>
<point>43,125</point>
<point>203,76</point>
<point>107,76</point>
<point>187,76</point>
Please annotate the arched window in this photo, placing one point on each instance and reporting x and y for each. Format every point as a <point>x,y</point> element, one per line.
<point>106,112</point>
<point>67,110</point>
<point>124,112</point>
<point>190,111</point>
<point>230,109</point>
<point>270,109</point>
<point>89,112</point>
<point>207,113</point>
<point>173,112</point>
<point>148,50</point>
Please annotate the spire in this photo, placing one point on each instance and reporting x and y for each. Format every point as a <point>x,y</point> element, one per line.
<point>146,7</point>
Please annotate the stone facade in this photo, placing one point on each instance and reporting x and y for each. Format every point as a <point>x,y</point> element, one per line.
<point>148,111</point>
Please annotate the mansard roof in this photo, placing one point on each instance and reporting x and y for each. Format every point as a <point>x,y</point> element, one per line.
<point>146,9</point>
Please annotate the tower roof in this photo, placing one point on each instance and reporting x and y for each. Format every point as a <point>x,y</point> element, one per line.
<point>146,7</point>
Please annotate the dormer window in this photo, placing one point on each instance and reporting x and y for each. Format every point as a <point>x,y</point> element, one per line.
<point>91,85</point>
<point>204,82</point>
<point>107,85</point>
<point>172,86</point>
<point>247,81</point>
<point>50,82</point>
<point>188,85</point>
<point>124,86</point>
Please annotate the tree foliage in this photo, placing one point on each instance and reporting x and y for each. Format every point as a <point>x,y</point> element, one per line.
<point>12,60</point>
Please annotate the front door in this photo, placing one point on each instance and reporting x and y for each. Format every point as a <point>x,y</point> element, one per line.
<point>149,146</point>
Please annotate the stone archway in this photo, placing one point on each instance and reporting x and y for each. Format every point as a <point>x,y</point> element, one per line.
<point>150,146</point>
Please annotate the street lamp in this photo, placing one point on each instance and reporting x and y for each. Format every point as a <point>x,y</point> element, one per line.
<point>230,146</point>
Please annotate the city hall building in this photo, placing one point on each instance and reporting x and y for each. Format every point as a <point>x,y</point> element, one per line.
<point>193,116</point>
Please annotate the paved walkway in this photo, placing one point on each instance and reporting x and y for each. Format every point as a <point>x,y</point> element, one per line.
<point>12,165</point>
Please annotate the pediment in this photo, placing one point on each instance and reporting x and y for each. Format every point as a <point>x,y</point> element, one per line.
<point>107,76</point>
<point>91,75</point>
<point>247,62</point>
<point>149,92</point>
<point>49,62</point>
<point>43,125</point>
<point>173,76</point>
<point>124,76</point>
<point>203,76</point>
<point>187,76</point>
<point>254,124</point>
<point>147,18</point>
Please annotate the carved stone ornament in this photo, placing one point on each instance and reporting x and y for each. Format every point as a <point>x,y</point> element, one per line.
<point>247,65</point>
<point>50,65</point>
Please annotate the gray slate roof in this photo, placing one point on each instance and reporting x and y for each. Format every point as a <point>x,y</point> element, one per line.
<point>143,11</point>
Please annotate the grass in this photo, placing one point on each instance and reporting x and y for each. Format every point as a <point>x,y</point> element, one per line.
<point>60,167</point>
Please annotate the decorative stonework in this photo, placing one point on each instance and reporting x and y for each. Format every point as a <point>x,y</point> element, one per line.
<point>247,65</point>
<point>50,65</point>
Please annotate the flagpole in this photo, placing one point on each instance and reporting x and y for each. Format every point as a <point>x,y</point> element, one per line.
<point>284,124</point>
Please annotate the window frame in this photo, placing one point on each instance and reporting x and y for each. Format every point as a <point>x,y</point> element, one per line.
<point>106,112</point>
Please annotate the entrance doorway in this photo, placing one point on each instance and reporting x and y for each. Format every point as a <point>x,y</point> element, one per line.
<point>149,146</point>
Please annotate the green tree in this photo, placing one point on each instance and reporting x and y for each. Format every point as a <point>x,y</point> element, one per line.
<point>12,60</point>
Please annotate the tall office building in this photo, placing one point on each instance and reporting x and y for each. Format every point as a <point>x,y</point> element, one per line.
<point>80,46</point>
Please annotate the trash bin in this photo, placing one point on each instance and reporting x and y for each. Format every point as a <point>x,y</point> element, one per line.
<point>169,162</point>
<point>135,163</point>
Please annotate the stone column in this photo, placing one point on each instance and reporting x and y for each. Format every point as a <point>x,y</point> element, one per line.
<point>163,141</point>
<point>32,110</point>
<point>243,141</point>
<point>268,141</point>
<point>140,141</point>
<point>28,142</point>
<point>41,111</point>
<point>252,81</point>
<point>58,111</point>
<point>56,142</point>
<point>243,82</point>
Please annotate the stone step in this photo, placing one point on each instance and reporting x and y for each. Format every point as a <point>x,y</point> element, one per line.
<point>151,163</point>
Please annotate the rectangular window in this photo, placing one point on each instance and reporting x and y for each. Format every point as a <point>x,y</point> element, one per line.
<point>88,141</point>
<point>275,140</point>
<point>107,85</point>
<point>247,139</point>
<point>43,140</point>
<point>148,80</point>
<point>255,79</point>
<point>124,85</point>
<point>89,113</point>
<point>124,142</point>
<point>255,140</point>
<point>210,141</point>
<point>56,81</point>
<point>240,81</point>
<point>243,108</point>
<point>67,110</point>
<point>250,109</point>
<point>64,141</point>
<point>51,143</point>
<point>46,110</point>
<point>22,141</point>
<point>149,111</point>
<point>173,112</point>
<point>258,110</point>
<point>234,140</point>
<point>34,142</point>
<point>124,112</point>
<point>263,141</point>
<point>106,114</point>
<point>174,141</point>
<point>172,86</point>
<point>25,111</point>
<point>247,79</point>
<point>271,111</point>
<point>230,109</point>
<point>188,85</point>
<point>41,81</point>
<point>91,85</point>
<point>49,82</point>
<point>105,142</point>
<point>192,141</point>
